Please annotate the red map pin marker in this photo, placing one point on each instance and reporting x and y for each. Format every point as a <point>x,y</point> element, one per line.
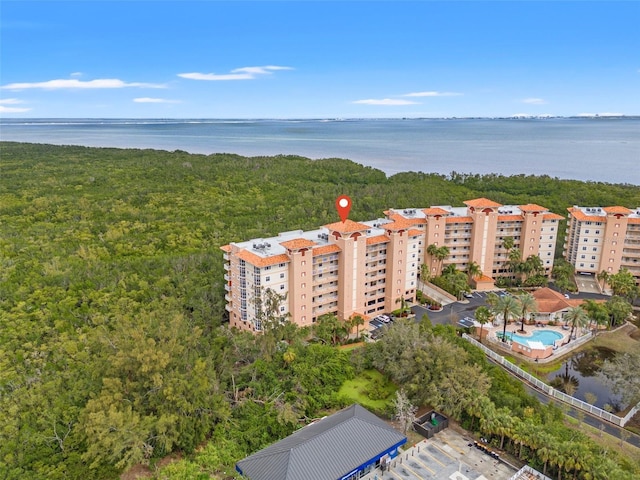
<point>343,205</point>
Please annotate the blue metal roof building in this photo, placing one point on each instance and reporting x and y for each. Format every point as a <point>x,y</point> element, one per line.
<point>343,446</point>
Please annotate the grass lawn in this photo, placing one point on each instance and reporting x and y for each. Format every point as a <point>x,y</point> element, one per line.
<point>618,340</point>
<point>370,389</point>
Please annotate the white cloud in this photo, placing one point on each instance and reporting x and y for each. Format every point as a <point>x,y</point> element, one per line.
<point>243,73</point>
<point>12,101</point>
<point>76,74</point>
<point>433,94</point>
<point>154,100</point>
<point>385,101</point>
<point>534,101</point>
<point>79,84</point>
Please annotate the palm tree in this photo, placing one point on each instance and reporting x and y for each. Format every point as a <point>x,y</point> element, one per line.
<point>527,304</point>
<point>533,265</point>
<point>597,312</point>
<point>505,423</point>
<point>289,356</point>
<point>425,275</point>
<point>483,315</point>
<point>431,251</point>
<point>473,271</point>
<point>515,261</point>
<point>577,317</point>
<point>603,277</point>
<point>547,449</point>
<point>623,284</point>
<point>508,307</point>
<point>403,305</point>
<point>508,244</point>
<point>441,254</point>
<point>356,321</point>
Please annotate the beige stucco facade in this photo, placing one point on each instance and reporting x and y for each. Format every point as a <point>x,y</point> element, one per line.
<point>603,239</point>
<point>365,268</point>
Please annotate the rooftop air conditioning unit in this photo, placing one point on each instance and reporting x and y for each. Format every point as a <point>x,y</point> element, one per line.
<point>267,245</point>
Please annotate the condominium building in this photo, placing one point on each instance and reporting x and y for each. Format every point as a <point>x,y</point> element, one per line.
<point>603,239</point>
<point>365,268</point>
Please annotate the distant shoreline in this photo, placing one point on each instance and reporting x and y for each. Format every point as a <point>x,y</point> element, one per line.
<point>597,149</point>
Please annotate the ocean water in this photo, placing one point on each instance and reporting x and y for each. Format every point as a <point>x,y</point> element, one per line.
<point>591,149</point>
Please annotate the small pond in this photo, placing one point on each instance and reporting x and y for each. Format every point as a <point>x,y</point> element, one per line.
<point>579,375</point>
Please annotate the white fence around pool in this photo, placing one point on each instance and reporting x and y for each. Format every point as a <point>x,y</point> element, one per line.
<point>552,392</point>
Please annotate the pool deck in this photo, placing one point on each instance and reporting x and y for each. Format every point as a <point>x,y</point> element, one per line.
<point>563,345</point>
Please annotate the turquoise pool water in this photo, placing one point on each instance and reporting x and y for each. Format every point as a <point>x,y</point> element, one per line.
<point>547,337</point>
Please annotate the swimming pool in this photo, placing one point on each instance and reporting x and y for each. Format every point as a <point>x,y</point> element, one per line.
<point>546,337</point>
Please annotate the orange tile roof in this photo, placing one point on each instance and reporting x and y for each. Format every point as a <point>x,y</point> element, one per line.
<point>484,278</point>
<point>532,207</point>
<point>459,220</point>
<point>618,209</point>
<point>259,261</point>
<point>549,301</point>
<point>634,220</point>
<point>409,221</point>
<point>481,202</point>
<point>552,216</point>
<point>509,218</point>
<point>435,211</point>
<point>377,239</point>
<point>297,243</point>
<point>349,226</point>
<point>225,248</point>
<point>414,232</point>
<point>400,224</point>
<point>326,249</point>
<point>580,215</point>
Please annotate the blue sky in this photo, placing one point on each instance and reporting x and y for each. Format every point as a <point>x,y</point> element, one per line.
<point>305,59</point>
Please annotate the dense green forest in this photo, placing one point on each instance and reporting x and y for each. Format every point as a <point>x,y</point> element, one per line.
<point>113,349</point>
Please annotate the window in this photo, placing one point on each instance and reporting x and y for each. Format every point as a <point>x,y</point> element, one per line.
<point>586,231</point>
<point>281,287</point>
<point>597,232</point>
<point>282,275</point>
<point>593,257</point>
<point>267,279</point>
